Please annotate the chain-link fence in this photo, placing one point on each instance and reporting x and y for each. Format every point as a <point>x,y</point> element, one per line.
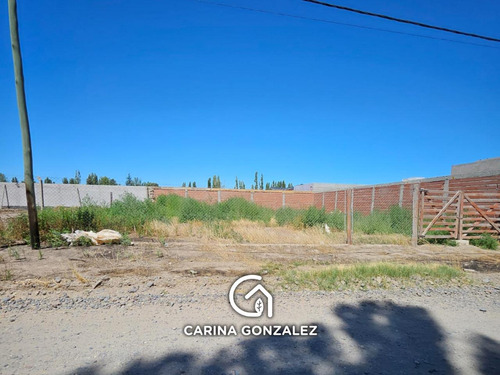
<point>361,215</point>
<point>13,195</point>
<point>381,214</point>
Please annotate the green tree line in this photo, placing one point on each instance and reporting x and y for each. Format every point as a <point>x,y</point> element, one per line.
<point>92,179</point>
<point>258,183</point>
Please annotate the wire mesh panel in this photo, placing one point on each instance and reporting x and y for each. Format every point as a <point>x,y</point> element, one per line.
<point>386,214</point>
<point>382,214</point>
<point>13,195</point>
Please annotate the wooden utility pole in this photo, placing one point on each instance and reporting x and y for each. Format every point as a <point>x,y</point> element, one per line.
<point>349,216</point>
<point>415,215</point>
<point>25,127</point>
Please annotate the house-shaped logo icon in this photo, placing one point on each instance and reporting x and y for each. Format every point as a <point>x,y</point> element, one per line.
<point>259,303</point>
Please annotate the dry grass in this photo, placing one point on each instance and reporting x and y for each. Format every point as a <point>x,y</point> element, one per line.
<point>36,283</point>
<point>193,229</point>
<point>79,277</point>
<point>381,239</point>
<point>256,232</point>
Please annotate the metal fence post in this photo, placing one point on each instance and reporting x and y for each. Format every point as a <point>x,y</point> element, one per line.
<point>401,194</point>
<point>372,207</point>
<point>6,197</point>
<point>349,216</point>
<point>79,197</point>
<point>41,193</point>
<point>415,215</point>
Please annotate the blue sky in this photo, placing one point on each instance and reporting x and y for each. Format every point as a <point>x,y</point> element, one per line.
<point>180,90</point>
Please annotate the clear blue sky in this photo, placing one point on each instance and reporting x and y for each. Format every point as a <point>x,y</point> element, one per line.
<point>180,90</point>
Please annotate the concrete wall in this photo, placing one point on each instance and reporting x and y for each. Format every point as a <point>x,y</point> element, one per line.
<point>14,195</point>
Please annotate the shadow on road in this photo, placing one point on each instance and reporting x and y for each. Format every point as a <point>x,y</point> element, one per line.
<point>488,355</point>
<point>374,338</point>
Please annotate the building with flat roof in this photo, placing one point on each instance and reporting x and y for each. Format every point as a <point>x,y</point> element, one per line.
<point>319,187</point>
<point>483,167</point>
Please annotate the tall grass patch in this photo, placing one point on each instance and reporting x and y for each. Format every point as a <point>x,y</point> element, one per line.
<point>241,209</point>
<point>395,220</point>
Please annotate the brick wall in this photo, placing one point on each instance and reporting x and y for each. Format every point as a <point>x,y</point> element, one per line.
<point>365,199</point>
<point>268,198</point>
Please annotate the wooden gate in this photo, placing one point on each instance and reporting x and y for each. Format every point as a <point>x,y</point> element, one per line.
<point>458,215</point>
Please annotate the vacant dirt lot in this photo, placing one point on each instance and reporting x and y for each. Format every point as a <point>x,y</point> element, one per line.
<point>152,259</point>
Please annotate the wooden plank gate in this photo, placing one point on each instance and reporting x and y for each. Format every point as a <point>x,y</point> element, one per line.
<point>458,215</point>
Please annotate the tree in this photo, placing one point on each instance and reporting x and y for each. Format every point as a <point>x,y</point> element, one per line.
<point>290,186</point>
<point>107,181</point>
<point>189,184</point>
<point>194,184</point>
<point>92,179</point>
<point>183,184</point>
<point>209,183</point>
<point>261,181</point>
<point>65,180</point>
<point>14,179</point>
<point>268,186</point>
<point>236,185</point>
<point>216,182</point>
<point>241,185</point>
<point>77,179</point>
<point>149,184</point>
<point>256,180</point>
<point>3,178</point>
<point>48,181</point>
<point>128,181</point>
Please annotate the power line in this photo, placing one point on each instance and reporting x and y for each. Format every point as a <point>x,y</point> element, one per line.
<point>403,20</point>
<point>341,23</point>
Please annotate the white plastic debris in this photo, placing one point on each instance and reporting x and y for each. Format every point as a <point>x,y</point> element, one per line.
<point>105,236</point>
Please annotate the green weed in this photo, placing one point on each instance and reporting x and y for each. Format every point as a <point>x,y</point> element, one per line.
<point>368,275</point>
<point>83,241</point>
<point>485,242</point>
<point>126,240</point>
<point>14,253</point>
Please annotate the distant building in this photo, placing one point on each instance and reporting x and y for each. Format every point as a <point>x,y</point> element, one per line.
<point>318,187</point>
<point>486,167</point>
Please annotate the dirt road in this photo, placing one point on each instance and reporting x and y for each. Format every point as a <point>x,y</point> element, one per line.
<point>439,330</point>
